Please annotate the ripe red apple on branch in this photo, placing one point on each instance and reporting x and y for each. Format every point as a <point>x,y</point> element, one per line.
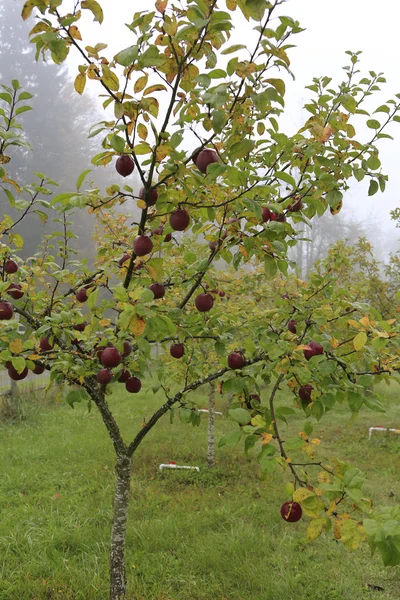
<point>142,245</point>
<point>124,165</point>
<point>179,219</point>
<point>291,512</point>
<point>236,360</point>
<point>204,158</point>
<point>314,350</point>
<point>204,302</point>
<point>6,311</point>
<point>177,350</point>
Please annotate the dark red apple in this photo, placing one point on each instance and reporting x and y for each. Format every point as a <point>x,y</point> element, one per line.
<point>123,259</point>
<point>6,311</point>
<point>104,376</point>
<point>124,165</point>
<point>158,290</point>
<point>133,385</point>
<point>124,376</point>
<point>13,373</point>
<point>278,217</point>
<point>15,291</point>
<point>221,294</point>
<point>80,326</point>
<point>81,295</point>
<point>177,350</point>
<point>168,237</point>
<point>10,266</point>
<point>204,158</point>
<point>315,349</point>
<point>45,345</point>
<point>142,245</point>
<point>38,370</point>
<point>266,214</point>
<point>291,512</point>
<point>110,357</point>
<point>236,360</point>
<point>179,219</point>
<point>127,349</point>
<point>296,206</point>
<point>204,302</point>
<point>292,326</point>
<point>305,392</point>
<point>151,197</point>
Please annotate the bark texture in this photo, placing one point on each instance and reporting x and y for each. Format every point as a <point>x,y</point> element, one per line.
<point>211,426</point>
<point>118,533</point>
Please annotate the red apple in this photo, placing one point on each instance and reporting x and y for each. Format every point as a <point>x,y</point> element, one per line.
<point>204,158</point>
<point>151,197</point>
<point>45,345</point>
<point>13,373</point>
<point>204,302</point>
<point>236,360</point>
<point>305,393</point>
<point>221,294</point>
<point>168,237</point>
<point>296,206</point>
<point>104,376</point>
<point>142,245</point>
<point>133,385</point>
<point>291,512</point>
<point>158,290</point>
<point>81,295</point>
<point>315,349</point>
<point>179,219</point>
<point>125,375</point>
<point>80,326</point>
<point>278,217</point>
<point>127,349</point>
<point>110,357</point>
<point>6,311</point>
<point>177,350</point>
<point>38,370</point>
<point>10,266</point>
<point>123,259</point>
<point>292,326</point>
<point>15,291</point>
<point>266,214</point>
<point>124,165</point>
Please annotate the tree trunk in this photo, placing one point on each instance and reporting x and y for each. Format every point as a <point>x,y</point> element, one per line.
<point>118,534</point>
<point>211,428</point>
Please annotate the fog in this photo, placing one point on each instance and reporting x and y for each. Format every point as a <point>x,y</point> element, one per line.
<point>331,29</point>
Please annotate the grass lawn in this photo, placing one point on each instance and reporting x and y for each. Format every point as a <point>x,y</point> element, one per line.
<point>217,535</point>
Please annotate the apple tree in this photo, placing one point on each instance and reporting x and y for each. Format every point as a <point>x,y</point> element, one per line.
<point>197,118</point>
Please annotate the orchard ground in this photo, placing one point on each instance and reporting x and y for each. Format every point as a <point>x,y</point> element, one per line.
<point>216,535</point>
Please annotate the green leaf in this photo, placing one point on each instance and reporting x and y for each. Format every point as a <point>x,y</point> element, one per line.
<point>95,8</point>
<point>240,415</point>
<point>81,178</point>
<point>76,396</point>
<point>92,299</point>
<point>373,124</point>
<point>23,109</point>
<point>231,440</point>
<point>241,149</point>
<point>374,404</point>
<point>233,48</point>
<point>117,143</point>
<point>270,267</point>
<point>373,187</point>
<point>294,443</point>
<point>360,340</point>
<point>128,56</point>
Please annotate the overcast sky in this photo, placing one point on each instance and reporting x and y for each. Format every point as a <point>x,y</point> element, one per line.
<point>331,29</point>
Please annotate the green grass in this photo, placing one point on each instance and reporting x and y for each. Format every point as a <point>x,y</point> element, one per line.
<point>216,535</point>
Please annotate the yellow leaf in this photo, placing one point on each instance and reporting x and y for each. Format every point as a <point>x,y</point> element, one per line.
<point>142,131</point>
<point>352,534</point>
<point>301,494</point>
<point>152,271</point>
<point>105,322</point>
<point>15,346</point>
<point>332,508</point>
<point>137,325</point>
<point>315,528</point>
<point>162,151</point>
<point>334,342</point>
<point>360,340</point>
<point>75,33</point>
<point>365,321</point>
<point>141,204</point>
<point>267,437</point>
<point>337,209</point>
<point>158,87</point>
<point>231,4</point>
<point>302,347</point>
<point>140,84</point>
<point>316,441</point>
<point>80,83</point>
<point>354,323</point>
<point>110,79</point>
<point>323,477</point>
<point>161,5</point>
